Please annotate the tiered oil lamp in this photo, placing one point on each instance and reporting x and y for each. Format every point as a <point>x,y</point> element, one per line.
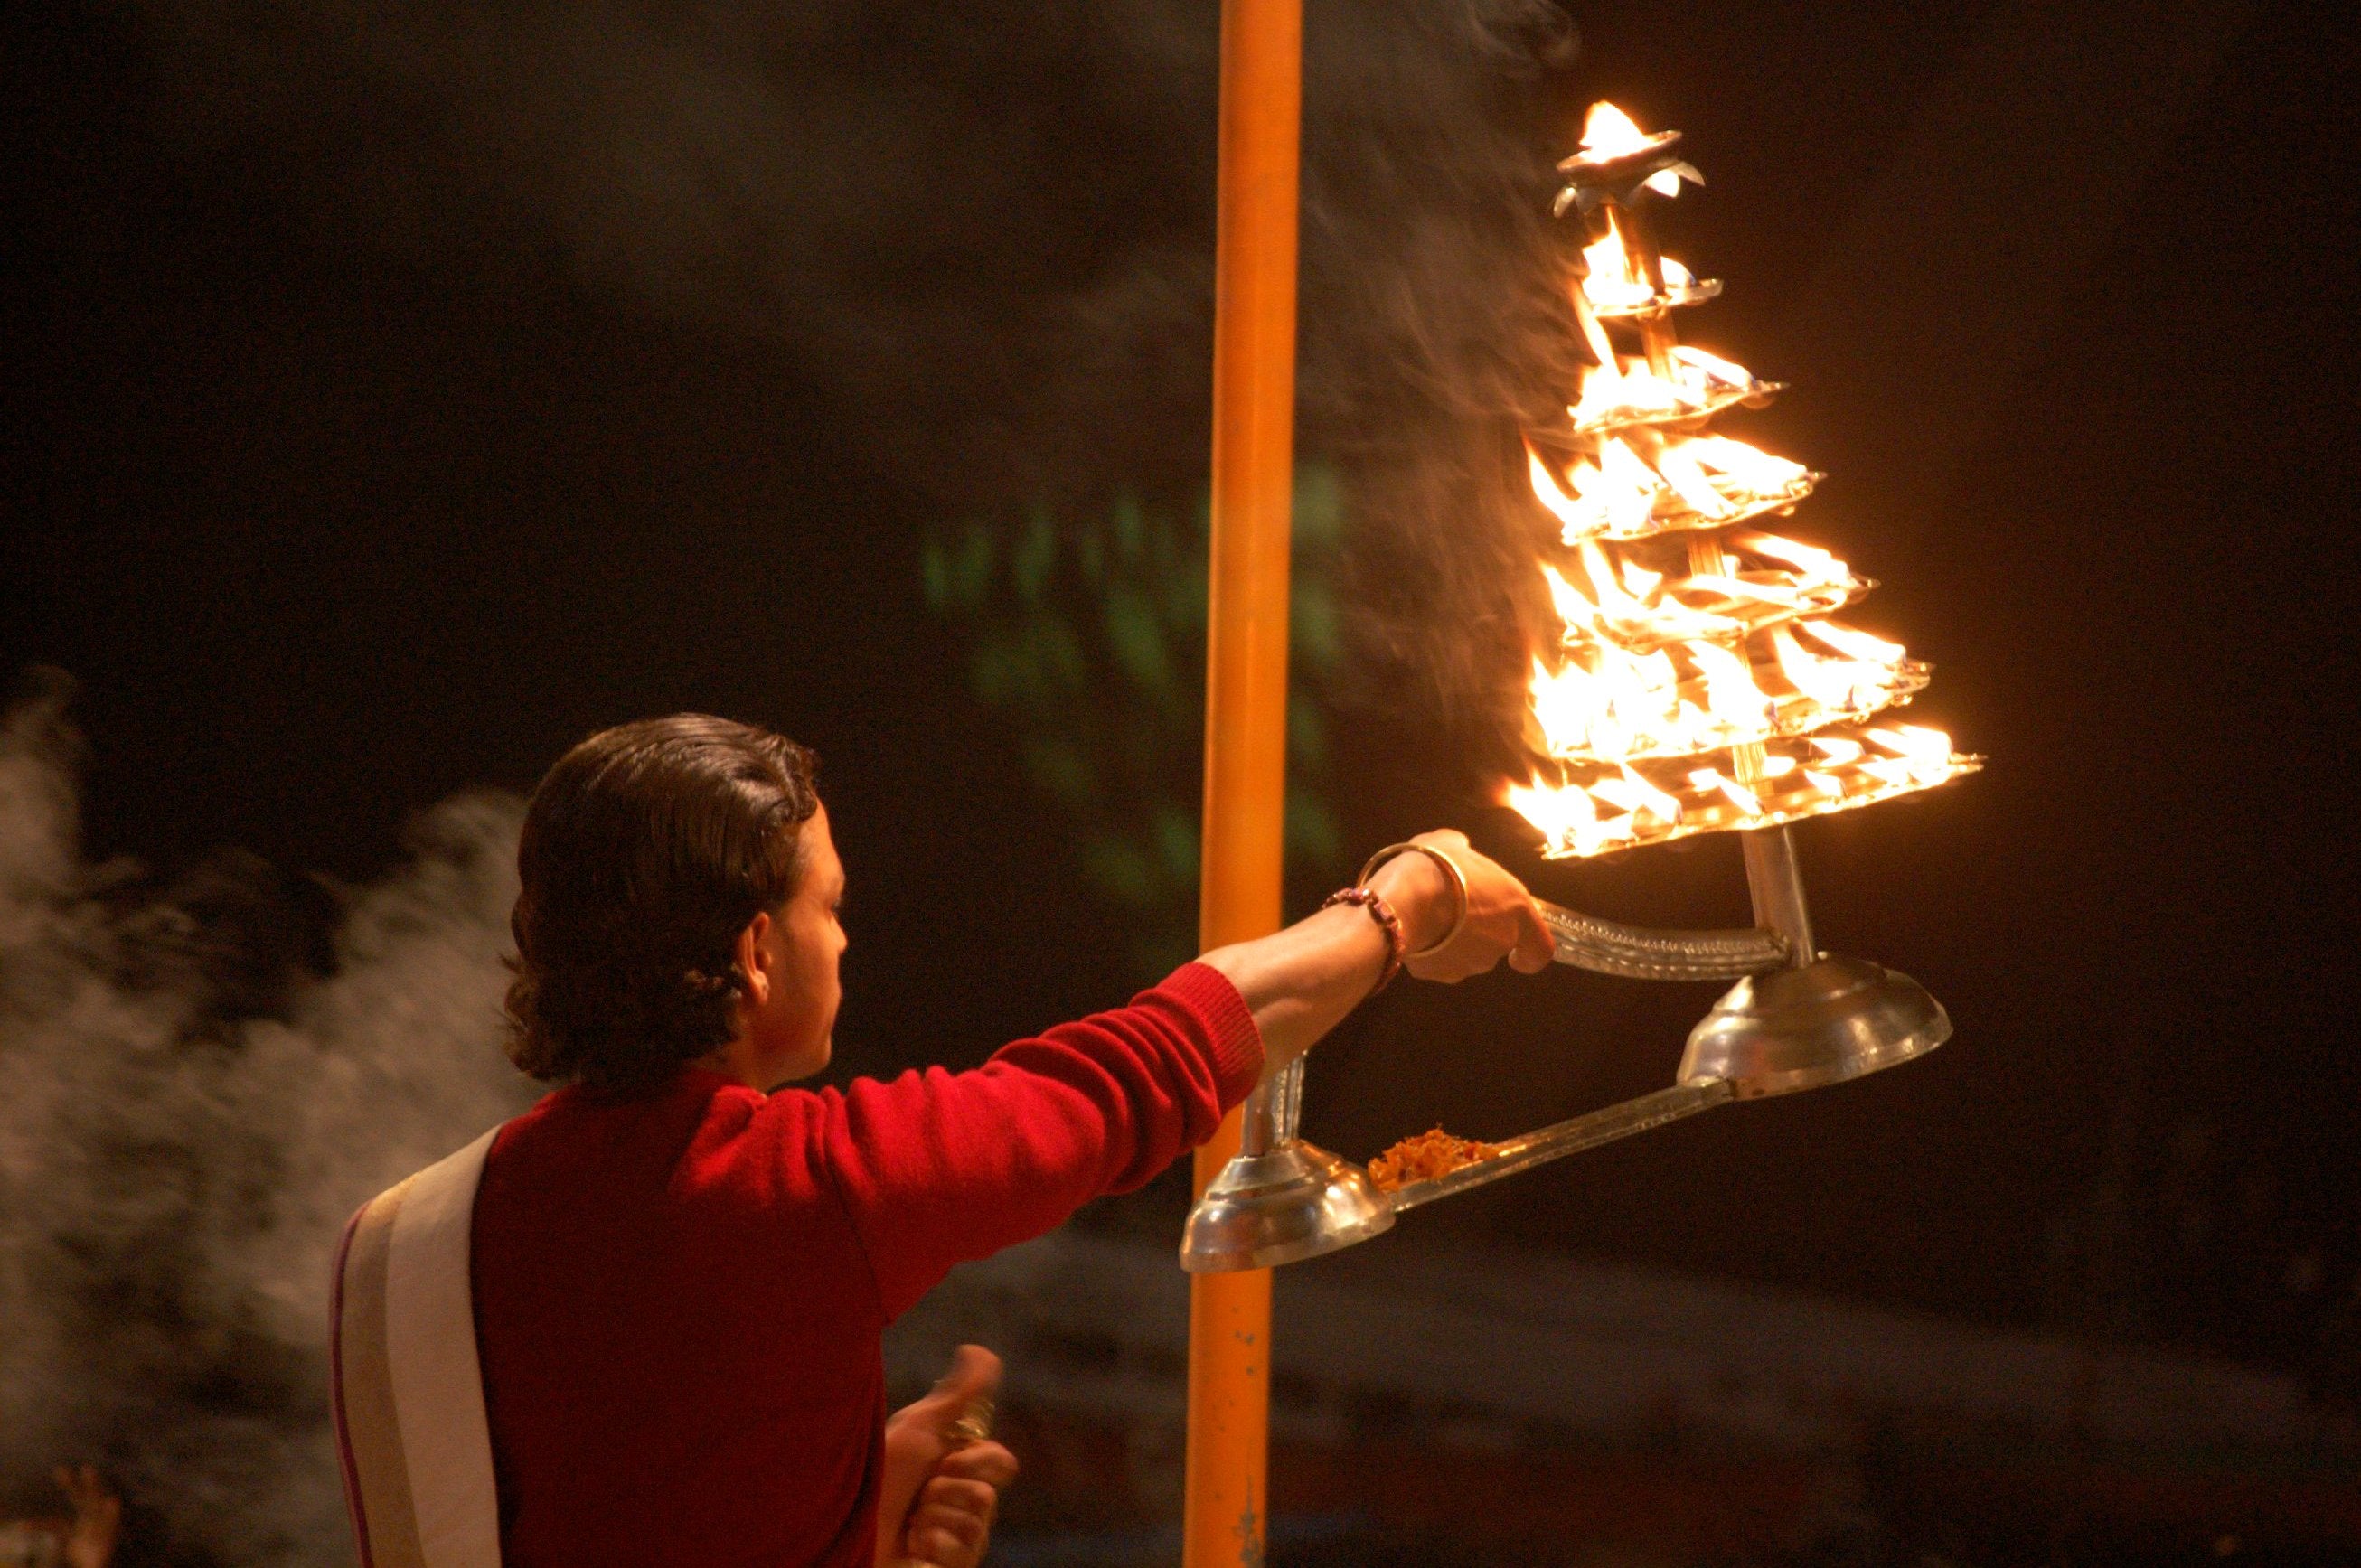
<point>1698,686</point>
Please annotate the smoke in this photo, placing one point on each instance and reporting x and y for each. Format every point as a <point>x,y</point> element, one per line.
<point>186,1119</point>
<point>984,233</point>
<point>1433,329</point>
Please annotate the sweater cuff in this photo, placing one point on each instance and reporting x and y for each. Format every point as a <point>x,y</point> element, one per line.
<point>1230,1031</point>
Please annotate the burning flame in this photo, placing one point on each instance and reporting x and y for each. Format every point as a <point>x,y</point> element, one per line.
<point>1608,132</point>
<point>1619,807</point>
<point>1614,279</point>
<point>1693,482</point>
<point>1698,680</point>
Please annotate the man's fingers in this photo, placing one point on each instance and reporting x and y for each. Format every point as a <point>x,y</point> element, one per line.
<point>85,1491</point>
<point>951,1533</point>
<point>952,1521</point>
<point>1536,946</point>
<point>974,1374</point>
<point>945,1547</point>
<point>963,1525</point>
<point>986,1461</point>
<point>940,1549</point>
<point>973,1380</point>
<point>977,1498</point>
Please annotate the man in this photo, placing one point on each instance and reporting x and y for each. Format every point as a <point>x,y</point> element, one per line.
<point>85,1538</point>
<point>677,1269</point>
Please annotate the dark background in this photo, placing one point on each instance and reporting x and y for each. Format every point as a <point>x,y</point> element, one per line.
<point>339,492</point>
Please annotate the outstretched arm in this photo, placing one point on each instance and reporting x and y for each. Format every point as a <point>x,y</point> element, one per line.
<point>935,1167</point>
<point>1302,981</point>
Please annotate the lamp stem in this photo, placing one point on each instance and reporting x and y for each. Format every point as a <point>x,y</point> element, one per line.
<point>1273,1111</point>
<point>1656,327</point>
<point>1776,885</point>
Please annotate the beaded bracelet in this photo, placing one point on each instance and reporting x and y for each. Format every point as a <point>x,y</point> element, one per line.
<point>1397,944</point>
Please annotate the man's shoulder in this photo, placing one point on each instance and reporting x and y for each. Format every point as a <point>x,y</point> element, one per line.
<point>698,1124</point>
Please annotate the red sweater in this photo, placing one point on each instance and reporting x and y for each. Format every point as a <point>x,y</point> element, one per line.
<point>678,1299</point>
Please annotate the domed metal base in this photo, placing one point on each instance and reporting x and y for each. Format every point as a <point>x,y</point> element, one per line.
<point>1799,1028</point>
<point>1296,1201</point>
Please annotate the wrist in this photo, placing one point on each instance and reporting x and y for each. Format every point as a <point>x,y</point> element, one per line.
<point>1380,910</point>
<point>1422,897</point>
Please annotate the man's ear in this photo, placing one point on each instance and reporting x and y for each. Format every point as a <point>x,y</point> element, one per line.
<point>752,960</point>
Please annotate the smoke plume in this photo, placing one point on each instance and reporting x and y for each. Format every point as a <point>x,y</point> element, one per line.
<point>986,234</point>
<point>186,1121</point>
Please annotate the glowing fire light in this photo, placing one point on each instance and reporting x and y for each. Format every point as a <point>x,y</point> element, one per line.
<point>1694,481</point>
<point>1697,681</point>
<point>1615,282</point>
<point>1608,132</point>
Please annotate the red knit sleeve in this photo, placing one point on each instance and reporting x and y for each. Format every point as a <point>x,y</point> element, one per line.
<point>936,1168</point>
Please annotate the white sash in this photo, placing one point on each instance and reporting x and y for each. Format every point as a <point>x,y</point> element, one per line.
<point>411,1429</point>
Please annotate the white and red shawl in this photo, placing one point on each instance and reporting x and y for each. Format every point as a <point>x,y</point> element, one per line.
<point>411,1432</point>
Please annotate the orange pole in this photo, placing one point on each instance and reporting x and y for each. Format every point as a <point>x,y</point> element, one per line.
<point>1226,1504</point>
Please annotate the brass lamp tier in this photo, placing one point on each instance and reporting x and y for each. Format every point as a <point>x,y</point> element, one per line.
<point>1672,297</point>
<point>1782,715</point>
<point>1668,514</point>
<point>1686,409</point>
<point>1703,808</point>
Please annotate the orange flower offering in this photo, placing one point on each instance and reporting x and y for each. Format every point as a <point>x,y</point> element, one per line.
<point>1424,1156</point>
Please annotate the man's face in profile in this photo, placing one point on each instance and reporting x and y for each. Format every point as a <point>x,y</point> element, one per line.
<point>792,1028</point>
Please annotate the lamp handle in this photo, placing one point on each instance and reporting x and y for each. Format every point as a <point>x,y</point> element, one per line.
<point>1636,952</point>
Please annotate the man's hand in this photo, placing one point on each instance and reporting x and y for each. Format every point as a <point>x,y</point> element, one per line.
<point>951,1524</point>
<point>1501,919</point>
<point>941,1486</point>
<point>1299,984</point>
<point>97,1517</point>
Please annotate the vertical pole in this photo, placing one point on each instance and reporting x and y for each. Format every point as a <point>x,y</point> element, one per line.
<point>1224,1514</point>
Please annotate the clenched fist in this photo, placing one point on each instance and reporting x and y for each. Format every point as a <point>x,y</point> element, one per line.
<point>941,1487</point>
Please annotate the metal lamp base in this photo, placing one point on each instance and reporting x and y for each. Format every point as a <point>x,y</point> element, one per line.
<point>1296,1201</point>
<point>1798,1025</point>
<point>1773,1033</point>
<point>1799,1028</point>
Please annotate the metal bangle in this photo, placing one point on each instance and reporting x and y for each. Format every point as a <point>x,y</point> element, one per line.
<point>1450,869</point>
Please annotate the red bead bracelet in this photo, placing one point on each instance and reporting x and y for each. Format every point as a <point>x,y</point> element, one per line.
<point>1397,944</point>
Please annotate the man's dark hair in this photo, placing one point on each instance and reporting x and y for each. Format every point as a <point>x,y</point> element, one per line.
<point>646,851</point>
